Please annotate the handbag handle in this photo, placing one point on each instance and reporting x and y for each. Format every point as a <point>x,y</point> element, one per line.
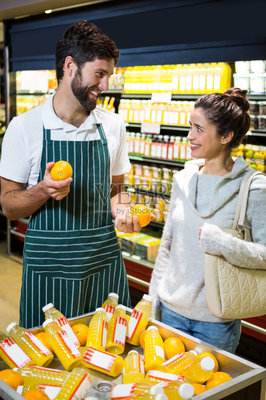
<point>241,207</point>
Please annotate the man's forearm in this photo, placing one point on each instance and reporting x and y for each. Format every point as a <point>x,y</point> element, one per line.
<point>22,203</point>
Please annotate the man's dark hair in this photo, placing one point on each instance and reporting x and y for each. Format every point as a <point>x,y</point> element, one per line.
<point>84,41</point>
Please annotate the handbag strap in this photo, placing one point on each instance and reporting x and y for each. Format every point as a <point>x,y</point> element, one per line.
<point>243,200</point>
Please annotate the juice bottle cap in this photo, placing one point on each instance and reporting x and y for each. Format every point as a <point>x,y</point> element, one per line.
<point>20,390</point>
<point>10,326</point>
<point>186,391</point>
<point>161,397</point>
<point>207,364</point>
<point>147,297</point>
<point>133,351</point>
<point>47,307</point>
<point>48,321</point>
<point>113,295</point>
<point>121,307</point>
<point>152,327</point>
<point>15,369</point>
<point>100,309</point>
<point>157,389</point>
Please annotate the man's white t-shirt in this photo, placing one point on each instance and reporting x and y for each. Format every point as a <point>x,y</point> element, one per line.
<point>23,141</point>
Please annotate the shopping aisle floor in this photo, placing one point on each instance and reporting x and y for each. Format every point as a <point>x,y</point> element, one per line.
<point>10,283</point>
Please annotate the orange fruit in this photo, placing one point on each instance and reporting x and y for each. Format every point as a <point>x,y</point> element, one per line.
<point>61,170</point>
<point>207,354</point>
<point>36,394</point>
<point>81,331</point>
<point>217,378</point>
<point>198,388</point>
<point>143,214</point>
<point>11,378</point>
<point>172,346</point>
<point>43,338</point>
<point>142,337</point>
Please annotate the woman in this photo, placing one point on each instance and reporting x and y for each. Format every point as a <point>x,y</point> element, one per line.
<point>203,202</point>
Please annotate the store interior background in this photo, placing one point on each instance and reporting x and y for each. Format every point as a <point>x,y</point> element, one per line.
<point>147,32</point>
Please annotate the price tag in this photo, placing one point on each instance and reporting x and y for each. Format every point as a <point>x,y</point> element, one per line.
<point>164,97</point>
<point>147,127</point>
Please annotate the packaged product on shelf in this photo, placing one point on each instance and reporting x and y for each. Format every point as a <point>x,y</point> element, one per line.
<point>167,174</point>
<point>138,169</point>
<point>129,242</point>
<point>262,107</point>
<point>156,173</point>
<point>254,122</point>
<point>242,81</point>
<point>262,122</point>
<point>147,248</point>
<point>147,171</point>
<point>258,83</point>
<point>258,66</point>
<point>254,107</point>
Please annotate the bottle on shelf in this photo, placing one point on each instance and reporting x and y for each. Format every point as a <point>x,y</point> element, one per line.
<point>50,312</point>
<point>110,304</point>
<point>64,348</point>
<point>177,363</point>
<point>33,376</point>
<point>133,368</point>
<point>102,361</point>
<point>97,334</point>
<point>200,370</point>
<point>36,350</point>
<point>76,385</point>
<point>12,354</point>
<point>139,319</point>
<point>153,349</point>
<point>116,331</point>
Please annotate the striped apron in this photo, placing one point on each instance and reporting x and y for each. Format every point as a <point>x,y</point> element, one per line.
<point>71,254</point>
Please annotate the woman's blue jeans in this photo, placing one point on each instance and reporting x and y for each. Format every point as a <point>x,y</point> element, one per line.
<point>223,335</point>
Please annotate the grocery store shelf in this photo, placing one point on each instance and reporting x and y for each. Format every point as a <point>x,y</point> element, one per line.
<point>257,97</point>
<point>152,160</point>
<point>257,133</point>
<point>137,260</point>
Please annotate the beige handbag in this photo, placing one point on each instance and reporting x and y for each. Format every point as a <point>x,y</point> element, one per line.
<point>233,292</point>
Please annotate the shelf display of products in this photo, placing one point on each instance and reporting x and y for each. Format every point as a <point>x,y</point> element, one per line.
<point>251,76</point>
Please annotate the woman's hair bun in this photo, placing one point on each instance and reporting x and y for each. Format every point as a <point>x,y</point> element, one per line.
<point>239,96</point>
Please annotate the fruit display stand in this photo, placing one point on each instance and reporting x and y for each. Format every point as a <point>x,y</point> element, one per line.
<point>248,379</point>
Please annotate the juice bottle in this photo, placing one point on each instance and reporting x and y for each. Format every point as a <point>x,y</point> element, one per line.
<point>177,363</point>
<point>200,370</point>
<point>97,333</point>
<point>179,391</point>
<point>139,319</point>
<point>125,391</point>
<point>52,313</point>
<point>76,385</point>
<point>131,390</point>
<point>39,354</point>
<point>33,376</point>
<point>116,331</point>
<point>110,304</point>
<point>155,376</point>
<point>153,349</point>
<point>12,354</point>
<point>107,363</point>
<point>64,348</point>
<point>133,368</point>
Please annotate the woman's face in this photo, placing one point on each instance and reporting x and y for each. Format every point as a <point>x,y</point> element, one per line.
<point>204,141</point>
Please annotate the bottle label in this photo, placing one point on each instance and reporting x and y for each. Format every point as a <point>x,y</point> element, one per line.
<point>98,358</point>
<point>71,347</point>
<point>37,343</point>
<point>141,365</point>
<point>173,360</point>
<point>64,325</point>
<point>164,376</point>
<point>123,391</point>
<point>159,351</point>
<point>109,311</point>
<point>120,330</point>
<point>51,390</point>
<point>104,334</point>
<point>133,324</point>
<point>15,353</point>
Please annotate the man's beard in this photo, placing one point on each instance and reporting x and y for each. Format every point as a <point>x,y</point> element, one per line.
<point>82,93</point>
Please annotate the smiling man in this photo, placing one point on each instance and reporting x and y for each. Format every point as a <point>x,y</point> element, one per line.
<point>71,254</point>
